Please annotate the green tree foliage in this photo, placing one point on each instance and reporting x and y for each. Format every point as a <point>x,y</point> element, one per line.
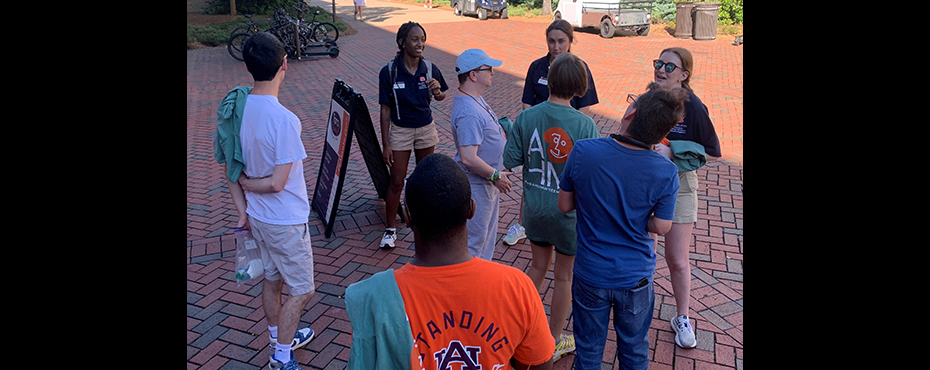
<point>250,6</point>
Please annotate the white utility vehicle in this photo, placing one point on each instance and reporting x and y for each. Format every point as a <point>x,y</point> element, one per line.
<point>608,15</point>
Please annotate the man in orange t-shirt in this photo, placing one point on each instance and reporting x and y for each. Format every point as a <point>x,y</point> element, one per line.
<point>464,311</point>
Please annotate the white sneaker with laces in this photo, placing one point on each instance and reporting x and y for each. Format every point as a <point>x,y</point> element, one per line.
<point>514,234</point>
<point>684,333</point>
<point>387,241</point>
<point>301,338</point>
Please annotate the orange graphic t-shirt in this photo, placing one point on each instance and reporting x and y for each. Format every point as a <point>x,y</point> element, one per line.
<point>473,313</point>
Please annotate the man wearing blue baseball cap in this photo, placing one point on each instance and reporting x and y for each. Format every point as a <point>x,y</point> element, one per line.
<point>479,142</point>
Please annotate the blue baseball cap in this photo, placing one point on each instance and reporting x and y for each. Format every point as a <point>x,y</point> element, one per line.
<point>473,58</point>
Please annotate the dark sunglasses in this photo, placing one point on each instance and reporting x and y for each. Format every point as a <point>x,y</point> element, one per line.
<point>669,67</point>
<point>630,98</point>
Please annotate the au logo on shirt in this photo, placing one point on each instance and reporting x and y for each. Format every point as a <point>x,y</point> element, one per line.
<point>457,353</point>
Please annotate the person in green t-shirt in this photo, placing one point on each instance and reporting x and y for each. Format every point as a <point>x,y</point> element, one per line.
<point>541,138</point>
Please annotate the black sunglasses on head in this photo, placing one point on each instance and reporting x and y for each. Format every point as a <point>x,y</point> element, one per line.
<point>669,67</point>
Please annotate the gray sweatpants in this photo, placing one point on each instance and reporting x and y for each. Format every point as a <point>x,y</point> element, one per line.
<point>482,228</point>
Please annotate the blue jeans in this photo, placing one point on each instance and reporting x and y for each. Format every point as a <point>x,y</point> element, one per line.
<point>632,309</point>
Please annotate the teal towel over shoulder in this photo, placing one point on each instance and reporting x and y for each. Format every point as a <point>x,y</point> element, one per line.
<point>226,145</point>
<point>381,336</point>
<point>687,155</point>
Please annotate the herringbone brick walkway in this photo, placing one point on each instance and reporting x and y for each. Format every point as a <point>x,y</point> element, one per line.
<point>225,324</point>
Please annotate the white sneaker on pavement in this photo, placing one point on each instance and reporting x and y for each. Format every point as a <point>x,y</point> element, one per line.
<point>514,234</point>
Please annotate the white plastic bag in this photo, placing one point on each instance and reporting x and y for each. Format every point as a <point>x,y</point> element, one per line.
<point>248,258</point>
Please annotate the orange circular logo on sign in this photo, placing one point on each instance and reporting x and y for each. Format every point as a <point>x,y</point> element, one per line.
<point>559,143</point>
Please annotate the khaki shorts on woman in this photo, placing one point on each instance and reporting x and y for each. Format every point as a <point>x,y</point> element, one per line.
<point>407,138</point>
<point>686,205</point>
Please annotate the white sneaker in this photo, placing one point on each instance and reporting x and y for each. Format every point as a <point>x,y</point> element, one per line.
<point>684,333</point>
<point>301,338</point>
<point>565,345</point>
<point>387,241</point>
<point>514,234</point>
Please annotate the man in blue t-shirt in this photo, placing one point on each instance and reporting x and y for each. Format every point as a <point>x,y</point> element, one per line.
<point>622,190</point>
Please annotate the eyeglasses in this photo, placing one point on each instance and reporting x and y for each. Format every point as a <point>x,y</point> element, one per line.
<point>484,69</point>
<point>631,98</point>
<point>669,67</point>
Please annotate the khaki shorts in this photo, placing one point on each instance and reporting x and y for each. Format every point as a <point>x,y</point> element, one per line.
<point>406,138</point>
<point>286,253</point>
<point>686,205</point>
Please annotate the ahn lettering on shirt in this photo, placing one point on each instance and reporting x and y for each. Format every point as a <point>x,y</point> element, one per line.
<point>559,145</point>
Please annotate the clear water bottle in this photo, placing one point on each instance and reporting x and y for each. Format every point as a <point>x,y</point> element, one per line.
<point>253,269</point>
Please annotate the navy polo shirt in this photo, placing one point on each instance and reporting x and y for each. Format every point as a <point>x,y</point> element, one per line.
<point>536,88</point>
<point>697,127</point>
<point>412,91</point>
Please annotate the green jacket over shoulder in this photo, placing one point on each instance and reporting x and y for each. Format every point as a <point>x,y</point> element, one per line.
<point>226,144</point>
<point>687,155</point>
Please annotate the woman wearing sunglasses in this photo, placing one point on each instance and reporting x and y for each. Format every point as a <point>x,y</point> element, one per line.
<point>674,68</point>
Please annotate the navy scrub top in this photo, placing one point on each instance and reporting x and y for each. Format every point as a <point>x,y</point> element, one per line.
<point>536,88</point>
<point>697,127</point>
<point>413,91</point>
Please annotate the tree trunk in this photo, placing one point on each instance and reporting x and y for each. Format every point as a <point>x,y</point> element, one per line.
<point>232,7</point>
<point>547,7</point>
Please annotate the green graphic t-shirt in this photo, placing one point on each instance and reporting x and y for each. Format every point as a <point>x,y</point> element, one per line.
<point>540,140</point>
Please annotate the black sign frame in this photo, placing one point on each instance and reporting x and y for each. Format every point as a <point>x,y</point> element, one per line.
<point>351,104</point>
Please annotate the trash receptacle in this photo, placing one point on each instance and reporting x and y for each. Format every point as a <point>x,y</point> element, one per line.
<point>683,20</point>
<point>705,20</point>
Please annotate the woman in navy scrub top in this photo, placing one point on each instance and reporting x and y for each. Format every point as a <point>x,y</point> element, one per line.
<point>559,37</point>
<point>404,92</point>
<point>674,69</point>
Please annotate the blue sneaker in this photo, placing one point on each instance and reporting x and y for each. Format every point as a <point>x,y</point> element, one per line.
<point>301,338</point>
<point>278,365</point>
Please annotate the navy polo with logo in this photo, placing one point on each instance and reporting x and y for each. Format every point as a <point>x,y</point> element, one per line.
<point>536,88</point>
<point>413,93</point>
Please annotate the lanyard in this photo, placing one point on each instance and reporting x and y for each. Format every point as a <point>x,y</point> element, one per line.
<point>487,108</point>
<point>631,141</point>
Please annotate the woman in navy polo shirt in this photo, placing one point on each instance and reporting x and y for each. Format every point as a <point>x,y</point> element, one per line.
<point>559,37</point>
<point>405,88</point>
<point>674,69</point>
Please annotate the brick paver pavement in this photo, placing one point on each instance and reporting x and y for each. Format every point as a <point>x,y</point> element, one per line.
<point>225,324</point>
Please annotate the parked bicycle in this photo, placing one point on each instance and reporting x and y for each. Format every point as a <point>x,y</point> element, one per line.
<point>238,36</point>
<point>296,34</point>
<point>320,31</point>
<point>279,22</point>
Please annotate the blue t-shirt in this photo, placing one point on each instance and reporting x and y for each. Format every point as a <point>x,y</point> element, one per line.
<point>536,87</point>
<point>413,93</point>
<point>616,190</point>
<point>697,126</point>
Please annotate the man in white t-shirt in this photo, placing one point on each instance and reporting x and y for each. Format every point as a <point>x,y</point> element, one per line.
<point>273,195</point>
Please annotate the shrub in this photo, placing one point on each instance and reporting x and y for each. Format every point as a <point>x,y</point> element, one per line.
<point>218,34</point>
<point>249,6</point>
<point>731,11</point>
